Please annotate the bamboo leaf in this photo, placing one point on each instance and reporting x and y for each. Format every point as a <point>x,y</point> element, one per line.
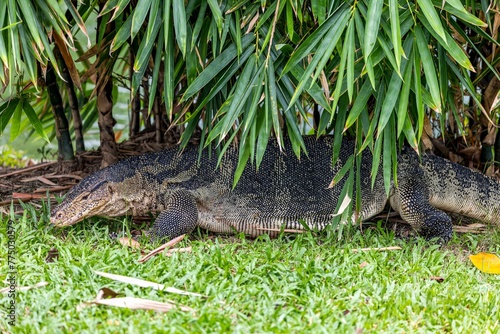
<point>340,80</point>
<point>156,70</point>
<point>319,10</point>
<point>339,121</point>
<point>215,67</point>
<point>341,173</point>
<point>290,22</point>
<point>264,124</point>
<point>138,16</point>
<point>417,89</point>
<point>387,158</point>
<point>466,82</point>
<point>6,111</point>
<point>242,91</point>
<point>361,100</point>
<point>224,79</point>
<point>314,38</point>
<point>351,44</point>
<point>393,91</point>
<point>147,43</point>
<point>78,19</point>
<point>456,8</point>
<point>118,9</point>
<point>68,60</point>
<point>123,34</point>
<point>242,161</point>
<point>472,44</point>
<point>429,12</point>
<point>35,122</point>
<point>180,25</point>
<point>377,152</point>
<point>395,30</point>
<point>30,20</point>
<point>272,105</point>
<point>108,7</point>
<point>168,80</point>
<point>15,121</point>
<point>372,23</point>
<point>3,49</point>
<point>402,113</point>
<point>214,7</point>
<point>429,69</point>
<point>322,54</point>
<point>154,19</point>
<point>28,56</point>
<point>314,90</point>
<point>451,46</point>
<point>410,134</point>
<point>376,115</point>
<point>199,23</point>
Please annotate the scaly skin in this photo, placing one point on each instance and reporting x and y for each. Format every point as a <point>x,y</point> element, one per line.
<point>188,193</point>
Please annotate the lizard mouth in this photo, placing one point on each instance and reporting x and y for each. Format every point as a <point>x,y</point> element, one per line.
<point>58,220</point>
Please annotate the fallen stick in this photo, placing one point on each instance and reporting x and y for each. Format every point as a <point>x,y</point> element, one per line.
<point>169,244</point>
<point>286,230</point>
<point>377,249</point>
<point>27,197</point>
<point>28,169</point>
<point>42,190</point>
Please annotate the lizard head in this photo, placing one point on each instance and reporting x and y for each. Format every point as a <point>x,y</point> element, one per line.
<point>93,196</point>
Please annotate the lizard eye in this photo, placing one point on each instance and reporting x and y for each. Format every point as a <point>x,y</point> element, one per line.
<point>59,215</point>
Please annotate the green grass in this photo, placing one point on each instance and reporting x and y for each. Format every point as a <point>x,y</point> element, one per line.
<point>294,283</point>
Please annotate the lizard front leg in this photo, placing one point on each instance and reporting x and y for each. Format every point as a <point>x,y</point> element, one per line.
<point>179,217</point>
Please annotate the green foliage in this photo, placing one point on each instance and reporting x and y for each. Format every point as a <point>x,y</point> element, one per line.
<point>11,158</point>
<point>12,111</point>
<point>249,70</point>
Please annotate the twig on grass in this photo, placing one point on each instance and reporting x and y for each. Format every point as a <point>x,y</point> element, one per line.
<point>169,244</point>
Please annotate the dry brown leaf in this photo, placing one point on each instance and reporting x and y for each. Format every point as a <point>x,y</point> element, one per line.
<point>129,242</point>
<point>486,262</point>
<point>169,244</point>
<point>438,279</point>
<point>146,284</point>
<point>131,302</point>
<point>140,304</point>
<point>391,248</point>
<point>362,265</point>
<point>345,204</point>
<point>106,293</point>
<point>24,288</point>
<point>52,255</point>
